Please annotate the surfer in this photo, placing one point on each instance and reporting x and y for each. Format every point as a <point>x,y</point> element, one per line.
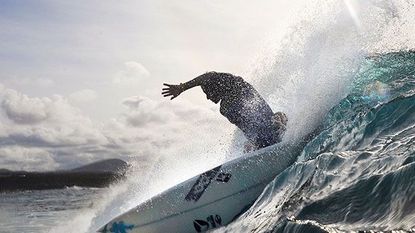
<point>241,104</point>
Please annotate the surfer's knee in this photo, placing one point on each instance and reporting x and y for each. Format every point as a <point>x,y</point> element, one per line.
<point>280,118</point>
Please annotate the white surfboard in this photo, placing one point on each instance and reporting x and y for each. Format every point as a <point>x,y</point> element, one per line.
<point>209,200</point>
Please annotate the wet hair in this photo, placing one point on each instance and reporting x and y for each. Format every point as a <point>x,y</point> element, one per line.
<point>213,87</point>
<point>220,84</point>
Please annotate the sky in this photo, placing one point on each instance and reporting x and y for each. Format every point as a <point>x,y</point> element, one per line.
<point>81,80</point>
<point>101,49</point>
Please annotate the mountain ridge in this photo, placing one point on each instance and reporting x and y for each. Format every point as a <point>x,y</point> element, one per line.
<point>98,174</point>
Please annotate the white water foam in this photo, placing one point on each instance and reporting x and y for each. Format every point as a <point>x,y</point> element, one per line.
<point>310,69</point>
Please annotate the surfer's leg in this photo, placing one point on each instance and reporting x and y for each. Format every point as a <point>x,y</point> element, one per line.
<point>249,146</point>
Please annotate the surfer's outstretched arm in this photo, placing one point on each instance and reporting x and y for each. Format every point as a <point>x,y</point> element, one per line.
<point>175,90</point>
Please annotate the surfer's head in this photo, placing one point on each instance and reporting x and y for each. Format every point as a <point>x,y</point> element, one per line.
<point>213,88</point>
<point>211,94</point>
<point>217,87</point>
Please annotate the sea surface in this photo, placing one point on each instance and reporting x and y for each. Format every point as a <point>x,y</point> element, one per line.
<point>356,175</point>
<point>43,210</point>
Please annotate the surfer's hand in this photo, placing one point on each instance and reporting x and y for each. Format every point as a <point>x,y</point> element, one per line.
<point>172,90</point>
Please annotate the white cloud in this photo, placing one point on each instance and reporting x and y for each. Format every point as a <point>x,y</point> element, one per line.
<point>132,74</point>
<point>21,158</point>
<point>24,110</point>
<point>143,111</point>
<point>51,130</point>
<point>135,102</point>
<point>49,124</point>
<point>50,120</point>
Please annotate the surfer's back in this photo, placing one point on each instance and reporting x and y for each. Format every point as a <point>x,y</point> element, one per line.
<point>239,102</point>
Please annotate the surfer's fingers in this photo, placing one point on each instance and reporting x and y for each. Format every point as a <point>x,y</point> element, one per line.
<point>169,85</point>
<point>168,94</point>
<point>166,88</point>
<point>164,92</point>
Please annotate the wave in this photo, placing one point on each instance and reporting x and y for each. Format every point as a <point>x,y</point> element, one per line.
<point>357,174</point>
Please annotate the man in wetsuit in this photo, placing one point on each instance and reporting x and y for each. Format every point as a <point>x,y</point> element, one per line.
<point>241,104</point>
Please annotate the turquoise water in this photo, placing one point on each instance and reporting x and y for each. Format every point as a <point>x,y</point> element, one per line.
<point>358,173</point>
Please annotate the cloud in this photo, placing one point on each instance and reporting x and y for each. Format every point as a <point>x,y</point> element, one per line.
<point>143,111</point>
<point>46,126</point>
<point>48,133</point>
<point>21,158</point>
<point>24,110</point>
<point>132,74</point>
<point>50,120</point>
<point>133,102</point>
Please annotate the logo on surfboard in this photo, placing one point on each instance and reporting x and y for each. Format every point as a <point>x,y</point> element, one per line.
<point>117,227</point>
<point>204,181</point>
<point>210,223</point>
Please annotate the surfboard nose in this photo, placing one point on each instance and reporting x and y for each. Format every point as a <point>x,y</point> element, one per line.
<point>103,229</point>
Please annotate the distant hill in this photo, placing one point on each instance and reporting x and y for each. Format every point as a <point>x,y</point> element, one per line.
<point>109,165</point>
<point>97,174</point>
<point>4,171</point>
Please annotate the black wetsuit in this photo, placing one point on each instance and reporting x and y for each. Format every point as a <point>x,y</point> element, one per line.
<point>242,105</point>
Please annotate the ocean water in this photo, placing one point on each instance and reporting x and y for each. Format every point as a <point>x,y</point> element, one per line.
<point>44,210</point>
<point>345,67</point>
<point>358,173</point>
